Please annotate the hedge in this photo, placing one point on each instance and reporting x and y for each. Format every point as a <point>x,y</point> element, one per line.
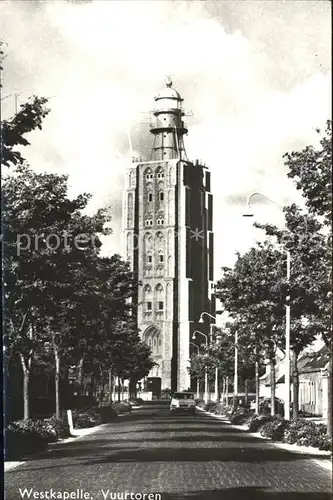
<point>23,437</point>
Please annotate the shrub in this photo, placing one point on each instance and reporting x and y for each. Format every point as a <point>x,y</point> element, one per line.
<point>201,404</point>
<point>255,422</point>
<point>307,433</point>
<point>121,407</point>
<point>46,430</point>
<point>219,409</point>
<point>106,413</point>
<point>240,415</point>
<point>60,425</point>
<point>274,428</point>
<point>83,419</point>
<point>23,438</point>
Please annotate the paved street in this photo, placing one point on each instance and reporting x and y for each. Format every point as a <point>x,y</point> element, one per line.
<point>179,457</point>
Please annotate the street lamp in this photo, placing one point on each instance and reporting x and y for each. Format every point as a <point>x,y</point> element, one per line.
<point>198,381</point>
<point>287,358</point>
<point>206,372</point>
<point>216,369</point>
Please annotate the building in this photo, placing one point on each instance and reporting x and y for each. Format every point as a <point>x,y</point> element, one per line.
<point>168,230</point>
<point>313,382</point>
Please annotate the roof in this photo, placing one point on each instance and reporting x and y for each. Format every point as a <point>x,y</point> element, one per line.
<point>168,92</point>
<point>307,363</point>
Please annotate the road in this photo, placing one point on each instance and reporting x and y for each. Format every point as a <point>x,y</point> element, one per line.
<point>152,455</point>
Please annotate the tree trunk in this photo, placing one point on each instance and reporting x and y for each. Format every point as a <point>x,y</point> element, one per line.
<point>246,390</point>
<point>110,388</point>
<point>26,377</point>
<point>329,396</point>
<point>80,376</point>
<point>257,387</point>
<point>295,385</point>
<point>272,374</point>
<point>56,380</point>
<point>119,390</point>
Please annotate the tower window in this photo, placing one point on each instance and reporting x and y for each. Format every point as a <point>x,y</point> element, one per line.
<point>159,342</point>
<point>161,258</point>
<point>149,306</point>
<point>161,196</point>
<point>160,175</point>
<point>150,197</point>
<point>149,222</point>
<point>160,221</point>
<point>149,259</point>
<point>149,176</point>
<point>160,305</point>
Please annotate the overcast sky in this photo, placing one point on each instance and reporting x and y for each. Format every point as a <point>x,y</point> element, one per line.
<point>254,75</point>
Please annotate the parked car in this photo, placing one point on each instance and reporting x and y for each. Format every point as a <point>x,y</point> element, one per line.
<point>182,401</point>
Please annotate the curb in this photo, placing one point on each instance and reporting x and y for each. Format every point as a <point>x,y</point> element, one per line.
<point>324,457</point>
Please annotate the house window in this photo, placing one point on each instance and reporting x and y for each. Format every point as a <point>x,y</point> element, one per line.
<point>149,306</point>
<point>160,305</point>
<point>161,196</point>
<point>150,197</point>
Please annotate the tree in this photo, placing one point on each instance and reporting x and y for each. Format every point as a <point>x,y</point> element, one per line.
<point>30,117</point>
<point>311,169</point>
<point>254,292</point>
<point>43,253</point>
<point>309,282</point>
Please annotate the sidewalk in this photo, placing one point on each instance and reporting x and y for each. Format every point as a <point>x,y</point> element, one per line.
<point>323,458</point>
<point>77,433</point>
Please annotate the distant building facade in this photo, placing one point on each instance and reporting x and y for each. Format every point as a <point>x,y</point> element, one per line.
<point>168,231</point>
<point>313,382</point>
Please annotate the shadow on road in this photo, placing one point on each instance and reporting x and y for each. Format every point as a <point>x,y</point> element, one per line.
<point>246,493</point>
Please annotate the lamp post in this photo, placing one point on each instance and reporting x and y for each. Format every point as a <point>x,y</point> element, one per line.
<point>216,388</point>
<point>198,382</point>
<point>206,372</point>
<point>287,357</point>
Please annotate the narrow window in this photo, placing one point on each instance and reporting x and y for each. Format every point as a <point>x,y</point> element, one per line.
<point>150,197</point>
<point>149,259</point>
<point>161,196</point>
<point>160,305</point>
<point>149,306</point>
<point>161,258</point>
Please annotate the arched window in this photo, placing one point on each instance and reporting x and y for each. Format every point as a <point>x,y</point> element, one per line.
<point>160,221</point>
<point>161,196</point>
<point>150,197</point>
<point>152,337</point>
<point>149,174</point>
<point>159,173</point>
<point>149,221</point>
<point>159,298</point>
<point>147,298</point>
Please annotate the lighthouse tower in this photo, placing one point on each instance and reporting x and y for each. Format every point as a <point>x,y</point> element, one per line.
<point>168,233</point>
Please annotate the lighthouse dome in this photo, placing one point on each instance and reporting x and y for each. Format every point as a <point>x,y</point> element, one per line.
<point>168,92</point>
